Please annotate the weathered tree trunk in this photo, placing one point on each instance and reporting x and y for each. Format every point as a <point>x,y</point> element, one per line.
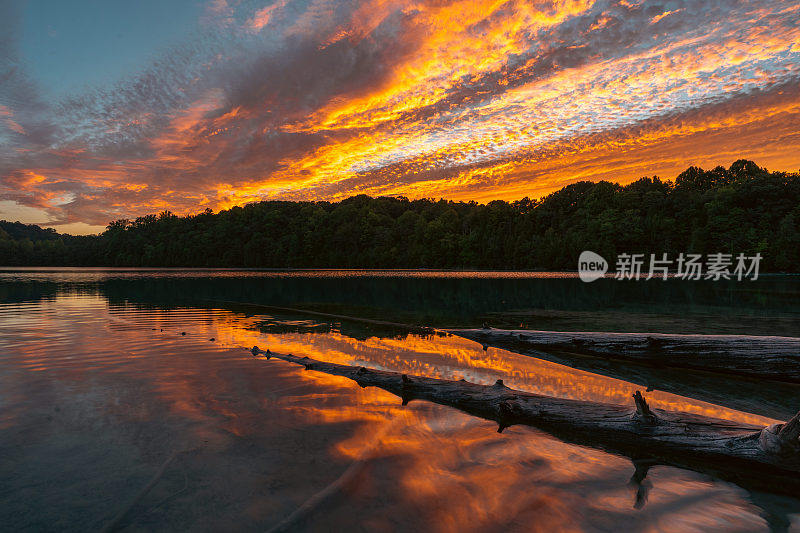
<point>773,358</point>
<point>737,452</point>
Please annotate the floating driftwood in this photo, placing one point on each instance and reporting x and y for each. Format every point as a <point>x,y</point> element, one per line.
<point>773,358</point>
<point>765,458</point>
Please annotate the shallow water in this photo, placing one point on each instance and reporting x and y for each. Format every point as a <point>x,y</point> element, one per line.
<point>99,390</point>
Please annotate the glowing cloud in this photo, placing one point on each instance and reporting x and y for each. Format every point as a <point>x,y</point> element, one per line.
<point>462,99</point>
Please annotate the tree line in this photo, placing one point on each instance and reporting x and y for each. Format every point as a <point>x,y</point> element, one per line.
<point>741,209</point>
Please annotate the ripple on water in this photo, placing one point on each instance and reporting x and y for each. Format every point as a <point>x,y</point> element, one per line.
<point>96,395</point>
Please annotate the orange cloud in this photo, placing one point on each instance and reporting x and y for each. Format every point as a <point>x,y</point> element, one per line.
<point>263,16</point>
<point>459,99</point>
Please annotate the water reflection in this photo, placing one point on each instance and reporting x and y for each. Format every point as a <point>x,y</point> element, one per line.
<point>96,395</point>
<point>534,300</point>
<point>519,299</point>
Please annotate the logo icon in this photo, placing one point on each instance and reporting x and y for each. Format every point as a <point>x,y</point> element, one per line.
<point>591,266</point>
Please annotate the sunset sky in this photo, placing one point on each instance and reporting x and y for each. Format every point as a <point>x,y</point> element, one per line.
<point>114,109</point>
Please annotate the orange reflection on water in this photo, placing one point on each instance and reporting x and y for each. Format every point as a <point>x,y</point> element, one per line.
<point>425,465</point>
<point>454,358</point>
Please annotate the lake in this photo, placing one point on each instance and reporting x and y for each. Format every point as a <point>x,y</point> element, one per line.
<point>129,400</point>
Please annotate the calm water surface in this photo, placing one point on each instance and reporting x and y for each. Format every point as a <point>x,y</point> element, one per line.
<point>101,396</point>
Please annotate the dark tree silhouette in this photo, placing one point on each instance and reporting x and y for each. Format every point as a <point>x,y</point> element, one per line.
<point>742,209</point>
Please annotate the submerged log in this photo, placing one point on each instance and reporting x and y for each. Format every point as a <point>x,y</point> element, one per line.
<point>774,358</point>
<point>779,400</point>
<point>410,328</point>
<point>732,451</point>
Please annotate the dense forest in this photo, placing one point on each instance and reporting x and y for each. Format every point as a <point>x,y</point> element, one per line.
<point>742,209</point>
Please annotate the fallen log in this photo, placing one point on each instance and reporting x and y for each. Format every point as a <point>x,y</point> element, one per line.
<point>745,393</point>
<point>761,458</point>
<point>773,358</point>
